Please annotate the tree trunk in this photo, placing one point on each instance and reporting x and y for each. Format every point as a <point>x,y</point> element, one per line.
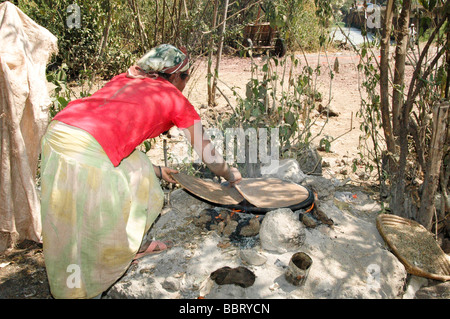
<point>104,40</point>
<point>155,38</point>
<point>219,51</point>
<point>177,30</point>
<point>447,83</point>
<point>140,28</point>
<point>400,59</point>
<point>390,164</point>
<point>384,78</point>
<point>401,198</point>
<point>186,9</point>
<point>211,94</point>
<point>436,150</point>
<point>163,34</point>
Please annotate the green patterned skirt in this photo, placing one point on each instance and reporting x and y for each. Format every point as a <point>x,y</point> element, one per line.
<point>94,215</point>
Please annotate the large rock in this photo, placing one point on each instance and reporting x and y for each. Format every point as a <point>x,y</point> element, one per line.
<point>323,187</point>
<point>310,161</point>
<point>437,290</point>
<point>350,259</point>
<point>287,169</point>
<point>281,231</point>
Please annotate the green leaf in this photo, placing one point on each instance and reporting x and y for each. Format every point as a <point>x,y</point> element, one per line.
<point>62,102</point>
<point>289,118</point>
<point>148,146</point>
<point>325,144</point>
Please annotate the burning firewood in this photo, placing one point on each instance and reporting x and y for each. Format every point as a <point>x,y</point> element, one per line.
<point>320,215</point>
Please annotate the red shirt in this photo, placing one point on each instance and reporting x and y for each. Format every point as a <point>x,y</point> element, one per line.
<point>126,112</point>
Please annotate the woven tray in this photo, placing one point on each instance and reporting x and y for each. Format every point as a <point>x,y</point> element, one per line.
<point>415,247</point>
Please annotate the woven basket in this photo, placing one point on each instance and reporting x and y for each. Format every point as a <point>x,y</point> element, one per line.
<point>415,247</point>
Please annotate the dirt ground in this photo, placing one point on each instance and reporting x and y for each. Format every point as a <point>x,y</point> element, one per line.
<point>22,273</point>
<point>22,270</point>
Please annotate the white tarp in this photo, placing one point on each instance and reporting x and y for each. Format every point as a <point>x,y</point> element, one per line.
<point>25,48</point>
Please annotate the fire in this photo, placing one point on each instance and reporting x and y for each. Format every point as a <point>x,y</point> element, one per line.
<point>310,209</point>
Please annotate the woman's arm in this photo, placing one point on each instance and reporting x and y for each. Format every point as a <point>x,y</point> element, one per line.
<point>213,160</point>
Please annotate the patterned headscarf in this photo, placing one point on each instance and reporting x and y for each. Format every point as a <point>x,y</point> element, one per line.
<point>164,58</point>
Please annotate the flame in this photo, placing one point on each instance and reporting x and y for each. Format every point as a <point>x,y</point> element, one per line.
<point>310,209</point>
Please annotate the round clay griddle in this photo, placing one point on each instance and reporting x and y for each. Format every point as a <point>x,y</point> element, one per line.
<point>272,193</point>
<point>208,190</point>
<point>257,195</point>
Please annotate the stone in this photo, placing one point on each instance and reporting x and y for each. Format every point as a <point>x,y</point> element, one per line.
<point>171,284</point>
<point>350,260</point>
<point>320,215</point>
<point>437,290</point>
<point>326,110</point>
<point>252,229</point>
<point>240,276</point>
<point>281,231</point>
<point>336,65</point>
<point>180,200</point>
<point>308,221</point>
<point>230,228</point>
<point>202,219</point>
<point>310,161</point>
<point>414,284</point>
<point>287,169</point>
<point>323,187</point>
<point>251,257</point>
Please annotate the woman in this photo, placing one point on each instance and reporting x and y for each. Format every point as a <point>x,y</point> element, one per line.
<point>99,194</point>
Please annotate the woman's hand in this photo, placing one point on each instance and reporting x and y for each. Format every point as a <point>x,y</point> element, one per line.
<point>165,172</point>
<point>235,176</point>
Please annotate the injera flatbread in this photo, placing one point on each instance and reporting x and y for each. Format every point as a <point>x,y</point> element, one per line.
<point>415,247</point>
<point>272,192</point>
<point>208,190</point>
